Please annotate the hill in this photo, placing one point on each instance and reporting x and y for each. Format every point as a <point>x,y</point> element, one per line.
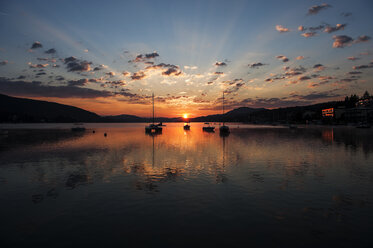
<point>14,109</point>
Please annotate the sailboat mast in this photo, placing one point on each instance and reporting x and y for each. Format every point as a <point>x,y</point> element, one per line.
<point>223,102</point>
<point>223,108</point>
<point>153,105</point>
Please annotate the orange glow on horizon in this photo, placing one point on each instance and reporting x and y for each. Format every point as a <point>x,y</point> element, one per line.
<point>110,106</point>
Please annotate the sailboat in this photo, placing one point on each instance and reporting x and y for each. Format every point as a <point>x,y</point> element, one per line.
<point>224,129</point>
<point>187,125</point>
<point>153,128</point>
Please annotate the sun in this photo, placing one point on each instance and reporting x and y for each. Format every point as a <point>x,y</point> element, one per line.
<point>185,116</point>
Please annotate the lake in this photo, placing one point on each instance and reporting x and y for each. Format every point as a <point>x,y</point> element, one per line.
<point>258,186</point>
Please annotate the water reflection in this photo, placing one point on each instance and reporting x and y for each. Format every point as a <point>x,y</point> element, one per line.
<point>306,181</point>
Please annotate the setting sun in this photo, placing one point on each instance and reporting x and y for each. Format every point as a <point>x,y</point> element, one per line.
<point>185,116</point>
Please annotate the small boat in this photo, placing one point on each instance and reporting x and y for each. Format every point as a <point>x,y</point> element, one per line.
<point>78,127</point>
<point>208,127</point>
<point>187,126</point>
<point>224,129</point>
<point>153,128</point>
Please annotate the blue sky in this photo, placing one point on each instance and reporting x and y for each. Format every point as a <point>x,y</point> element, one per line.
<point>186,39</point>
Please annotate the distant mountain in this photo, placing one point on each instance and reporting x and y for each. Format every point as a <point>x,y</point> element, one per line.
<point>14,109</point>
<point>122,118</point>
<point>237,114</point>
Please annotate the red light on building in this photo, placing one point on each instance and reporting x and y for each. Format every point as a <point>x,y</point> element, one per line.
<point>328,112</point>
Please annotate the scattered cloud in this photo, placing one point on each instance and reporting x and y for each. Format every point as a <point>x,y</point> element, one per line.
<point>37,89</point>
<point>51,51</point>
<point>110,74</point>
<point>187,67</point>
<point>309,34</point>
<point>359,67</point>
<point>256,65</point>
<point>330,29</point>
<point>36,45</point>
<point>341,41</point>
<point>317,8</point>
<point>220,64</point>
<point>4,62</point>
<point>283,58</point>
<point>352,58</point>
<point>138,75</point>
<point>282,29</point>
<point>299,58</point>
<point>362,38</point>
<point>80,82</point>
<point>303,78</point>
<point>145,57</point>
<point>79,66</point>
<point>346,14</point>
<point>319,67</point>
<point>37,65</point>
<point>344,40</point>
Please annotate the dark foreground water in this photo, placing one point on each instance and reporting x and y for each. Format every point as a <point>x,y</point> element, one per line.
<point>257,187</point>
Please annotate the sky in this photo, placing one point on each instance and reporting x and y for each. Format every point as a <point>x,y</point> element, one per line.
<point>109,57</point>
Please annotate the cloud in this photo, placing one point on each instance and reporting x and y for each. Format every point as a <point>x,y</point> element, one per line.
<point>220,64</point>
<point>319,67</point>
<point>74,64</point>
<point>4,62</point>
<point>37,89</point>
<point>341,41</point>
<point>79,66</point>
<point>301,28</point>
<point>354,72</point>
<point>352,58</point>
<point>282,29</point>
<point>37,65</point>
<point>346,14</point>
<point>110,74</point>
<point>330,29</point>
<point>40,73</point>
<point>125,73</point>
<point>186,67</point>
<point>299,58</point>
<point>172,72</point>
<point>59,78</point>
<point>309,34</point>
<point>145,57</point>
<point>283,58</point>
<point>51,51</point>
<point>362,38</point>
<point>138,75</point>
<point>316,27</point>
<point>317,96</point>
<point>256,65</point>
<point>80,82</point>
<point>358,67</point>
<point>219,73</point>
<point>344,40</point>
<point>317,8</point>
<point>304,78</point>
<point>70,59</point>
<point>36,45</point>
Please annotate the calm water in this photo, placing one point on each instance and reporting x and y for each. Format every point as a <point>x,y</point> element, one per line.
<point>259,186</point>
